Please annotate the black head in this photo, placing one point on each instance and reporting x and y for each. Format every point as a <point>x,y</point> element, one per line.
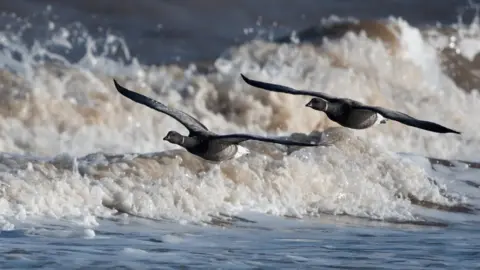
<point>318,104</point>
<point>174,137</point>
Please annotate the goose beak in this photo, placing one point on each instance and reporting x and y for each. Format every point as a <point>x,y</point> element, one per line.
<point>309,104</point>
<point>165,138</point>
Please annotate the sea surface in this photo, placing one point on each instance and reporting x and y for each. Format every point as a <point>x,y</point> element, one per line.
<point>86,181</point>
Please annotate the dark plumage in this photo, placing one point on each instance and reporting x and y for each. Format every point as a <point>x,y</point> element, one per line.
<point>350,113</point>
<point>200,141</point>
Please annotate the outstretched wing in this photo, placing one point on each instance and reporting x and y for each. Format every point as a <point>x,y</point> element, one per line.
<point>238,138</point>
<point>407,119</point>
<point>192,124</point>
<point>285,89</point>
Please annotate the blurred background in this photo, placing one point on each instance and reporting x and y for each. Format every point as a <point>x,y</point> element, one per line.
<point>159,32</point>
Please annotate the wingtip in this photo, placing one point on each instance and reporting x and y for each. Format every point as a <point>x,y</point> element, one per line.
<point>244,77</point>
<point>453,131</point>
<point>119,87</point>
<point>116,83</point>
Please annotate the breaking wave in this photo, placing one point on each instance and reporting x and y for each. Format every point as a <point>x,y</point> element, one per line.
<point>75,149</point>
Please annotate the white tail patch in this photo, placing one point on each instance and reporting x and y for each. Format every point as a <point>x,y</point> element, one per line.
<point>241,151</point>
<point>380,120</point>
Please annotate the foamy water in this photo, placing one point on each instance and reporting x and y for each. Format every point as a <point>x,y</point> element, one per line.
<point>82,164</point>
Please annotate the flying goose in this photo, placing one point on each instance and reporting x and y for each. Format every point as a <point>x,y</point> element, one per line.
<point>350,113</point>
<point>200,141</point>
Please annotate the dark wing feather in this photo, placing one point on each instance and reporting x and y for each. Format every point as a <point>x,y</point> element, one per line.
<point>285,89</point>
<point>192,124</point>
<point>407,119</point>
<point>238,138</point>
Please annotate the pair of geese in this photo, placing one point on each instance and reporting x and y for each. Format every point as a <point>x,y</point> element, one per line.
<point>213,147</point>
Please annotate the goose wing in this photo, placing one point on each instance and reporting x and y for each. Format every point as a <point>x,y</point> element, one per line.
<point>407,119</point>
<point>285,89</point>
<point>238,138</point>
<point>192,124</point>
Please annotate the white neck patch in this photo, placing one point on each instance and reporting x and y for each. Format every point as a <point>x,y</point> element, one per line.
<point>241,151</point>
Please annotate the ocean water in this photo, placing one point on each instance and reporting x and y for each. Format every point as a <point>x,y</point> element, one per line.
<point>87,182</point>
